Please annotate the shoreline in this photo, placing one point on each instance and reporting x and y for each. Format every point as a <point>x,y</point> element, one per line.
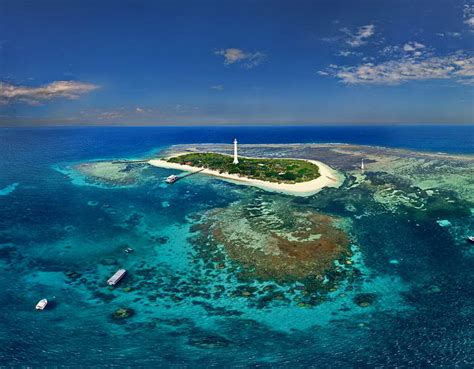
<point>328,178</point>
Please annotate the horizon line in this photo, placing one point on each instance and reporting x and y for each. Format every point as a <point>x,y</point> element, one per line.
<point>184,125</point>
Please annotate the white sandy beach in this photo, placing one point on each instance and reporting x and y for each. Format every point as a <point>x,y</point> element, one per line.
<point>329,178</point>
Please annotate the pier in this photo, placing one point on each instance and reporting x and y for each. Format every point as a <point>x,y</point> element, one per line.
<point>190,174</point>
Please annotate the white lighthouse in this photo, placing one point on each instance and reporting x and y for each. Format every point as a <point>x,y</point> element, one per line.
<point>236,160</point>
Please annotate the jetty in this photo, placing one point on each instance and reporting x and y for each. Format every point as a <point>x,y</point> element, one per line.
<point>119,274</point>
<point>173,178</point>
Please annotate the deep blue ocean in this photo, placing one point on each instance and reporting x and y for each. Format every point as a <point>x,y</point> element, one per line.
<point>52,227</point>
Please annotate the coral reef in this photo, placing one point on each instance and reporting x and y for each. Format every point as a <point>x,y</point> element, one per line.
<point>111,172</point>
<point>274,241</point>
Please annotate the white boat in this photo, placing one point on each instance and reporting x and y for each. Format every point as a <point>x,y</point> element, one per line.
<point>112,281</point>
<point>171,179</point>
<point>471,238</point>
<point>362,165</point>
<point>41,304</point>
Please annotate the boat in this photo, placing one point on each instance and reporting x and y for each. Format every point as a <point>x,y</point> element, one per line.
<point>128,250</point>
<point>362,165</point>
<point>471,239</point>
<point>171,179</point>
<point>41,304</point>
<point>112,281</point>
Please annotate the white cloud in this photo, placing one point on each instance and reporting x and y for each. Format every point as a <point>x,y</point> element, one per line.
<point>71,90</point>
<point>143,110</point>
<point>456,66</point>
<point>413,46</point>
<point>239,56</point>
<point>390,50</point>
<point>409,49</point>
<point>450,34</point>
<point>330,39</point>
<point>360,37</point>
<point>468,14</point>
<point>110,115</point>
<point>396,64</point>
<point>217,87</point>
<point>118,113</point>
<point>466,68</point>
<point>347,53</point>
<point>344,53</point>
<point>366,31</point>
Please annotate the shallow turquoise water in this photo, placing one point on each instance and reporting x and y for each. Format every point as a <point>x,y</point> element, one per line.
<point>53,223</point>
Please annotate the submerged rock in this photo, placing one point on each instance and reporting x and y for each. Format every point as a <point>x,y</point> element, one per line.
<point>365,299</point>
<point>434,289</point>
<point>123,313</point>
<point>160,240</point>
<point>209,341</point>
<point>69,228</point>
<point>109,261</point>
<point>7,252</point>
<point>105,297</point>
<point>73,275</point>
<point>444,222</point>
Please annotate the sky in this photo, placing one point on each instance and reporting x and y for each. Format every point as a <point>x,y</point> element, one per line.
<point>221,62</point>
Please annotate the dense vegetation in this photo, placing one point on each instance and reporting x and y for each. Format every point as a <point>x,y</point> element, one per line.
<point>272,170</point>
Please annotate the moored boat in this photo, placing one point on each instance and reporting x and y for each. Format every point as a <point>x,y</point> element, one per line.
<point>112,281</point>
<point>171,179</point>
<point>41,304</point>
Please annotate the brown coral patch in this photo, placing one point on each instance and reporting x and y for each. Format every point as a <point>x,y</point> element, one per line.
<point>306,245</point>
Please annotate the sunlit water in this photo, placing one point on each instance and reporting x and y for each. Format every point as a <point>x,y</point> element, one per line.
<point>61,238</point>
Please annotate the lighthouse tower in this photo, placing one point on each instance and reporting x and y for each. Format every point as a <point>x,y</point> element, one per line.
<point>236,160</point>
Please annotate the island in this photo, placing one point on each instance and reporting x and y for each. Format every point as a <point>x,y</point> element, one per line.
<point>272,170</point>
<point>291,176</point>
